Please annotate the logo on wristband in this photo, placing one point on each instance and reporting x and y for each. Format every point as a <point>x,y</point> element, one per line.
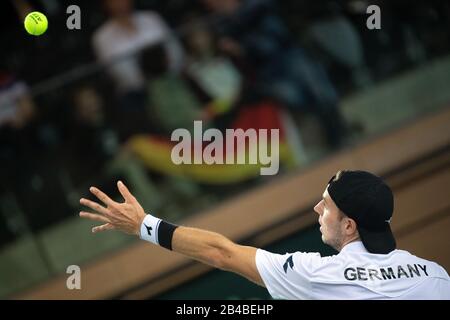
<point>149,229</point>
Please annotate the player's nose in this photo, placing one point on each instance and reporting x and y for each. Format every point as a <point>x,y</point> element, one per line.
<point>317,208</point>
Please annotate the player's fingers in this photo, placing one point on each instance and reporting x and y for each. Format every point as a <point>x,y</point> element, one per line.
<point>103,227</point>
<point>102,197</point>
<point>94,206</point>
<point>93,216</point>
<point>126,194</point>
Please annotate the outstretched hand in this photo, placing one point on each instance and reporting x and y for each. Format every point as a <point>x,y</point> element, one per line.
<point>126,217</point>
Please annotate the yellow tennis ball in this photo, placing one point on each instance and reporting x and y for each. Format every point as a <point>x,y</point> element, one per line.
<point>35,23</point>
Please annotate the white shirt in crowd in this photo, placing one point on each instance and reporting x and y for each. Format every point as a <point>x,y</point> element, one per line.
<point>10,95</point>
<point>111,41</point>
<point>218,76</point>
<point>354,273</point>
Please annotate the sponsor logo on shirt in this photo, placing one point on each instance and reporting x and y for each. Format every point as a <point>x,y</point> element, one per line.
<point>288,264</point>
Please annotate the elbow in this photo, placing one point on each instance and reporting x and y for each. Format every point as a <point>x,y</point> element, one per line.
<point>224,259</point>
<point>221,255</point>
<point>218,259</point>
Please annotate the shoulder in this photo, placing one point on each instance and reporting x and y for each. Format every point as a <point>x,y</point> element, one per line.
<point>312,260</point>
<point>299,261</point>
<point>433,267</point>
<point>290,275</point>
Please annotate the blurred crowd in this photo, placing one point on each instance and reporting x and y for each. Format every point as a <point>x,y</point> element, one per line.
<point>160,66</point>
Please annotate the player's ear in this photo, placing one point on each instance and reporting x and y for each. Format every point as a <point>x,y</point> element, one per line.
<point>350,226</point>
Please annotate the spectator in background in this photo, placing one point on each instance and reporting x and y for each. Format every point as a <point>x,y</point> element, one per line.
<point>283,70</point>
<point>89,130</point>
<point>214,73</point>
<point>338,42</point>
<point>117,43</point>
<point>16,106</point>
<point>17,112</point>
<point>29,159</point>
<point>126,32</point>
<point>103,156</point>
<point>171,99</point>
<point>18,124</point>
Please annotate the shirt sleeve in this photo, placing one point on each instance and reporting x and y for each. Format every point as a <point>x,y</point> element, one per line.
<point>287,276</point>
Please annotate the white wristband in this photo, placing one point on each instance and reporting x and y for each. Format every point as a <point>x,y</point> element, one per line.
<point>149,229</point>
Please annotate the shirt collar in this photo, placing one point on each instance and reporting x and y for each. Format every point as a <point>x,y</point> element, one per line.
<point>355,246</point>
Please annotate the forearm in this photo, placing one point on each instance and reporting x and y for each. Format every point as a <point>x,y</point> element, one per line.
<point>218,251</point>
<point>205,246</point>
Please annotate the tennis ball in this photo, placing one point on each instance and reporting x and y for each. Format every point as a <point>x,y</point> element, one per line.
<point>35,23</point>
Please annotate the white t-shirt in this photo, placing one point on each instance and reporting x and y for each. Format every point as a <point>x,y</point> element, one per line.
<point>354,273</point>
<point>111,41</point>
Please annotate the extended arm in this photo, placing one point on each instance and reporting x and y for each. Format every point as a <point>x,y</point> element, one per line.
<point>208,247</point>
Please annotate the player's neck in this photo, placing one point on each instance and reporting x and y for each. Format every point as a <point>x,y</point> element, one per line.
<point>350,240</point>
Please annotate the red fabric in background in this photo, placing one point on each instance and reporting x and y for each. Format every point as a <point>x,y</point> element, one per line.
<point>264,115</point>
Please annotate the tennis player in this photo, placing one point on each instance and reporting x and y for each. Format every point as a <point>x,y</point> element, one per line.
<point>354,216</point>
